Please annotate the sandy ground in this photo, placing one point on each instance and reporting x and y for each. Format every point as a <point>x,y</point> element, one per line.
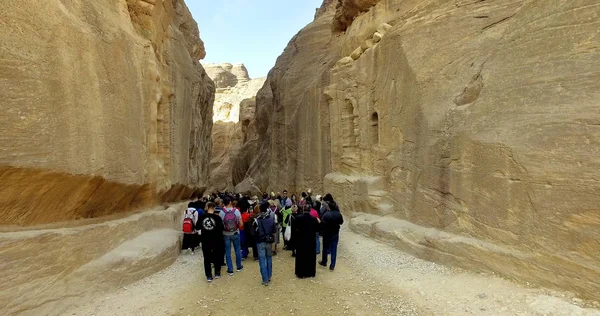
<point>371,278</point>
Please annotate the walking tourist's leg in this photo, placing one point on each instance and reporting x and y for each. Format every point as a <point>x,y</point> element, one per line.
<point>254,251</point>
<point>333,246</point>
<point>269,255</point>
<point>238,251</point>
<point>243,244</point>
<point>217,260</point>
<point>228,254</point>
<point>208,259</point>
<point>318,244</point>
<point>326,241</point>
<point>262,262</point>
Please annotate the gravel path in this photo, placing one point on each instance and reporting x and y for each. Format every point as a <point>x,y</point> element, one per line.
<point>371,279</point>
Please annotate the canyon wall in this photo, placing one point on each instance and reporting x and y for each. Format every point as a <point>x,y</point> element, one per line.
<point>49,271</point>
<point>466,132</point>
<point>233,111</point>
<point>105,108</point>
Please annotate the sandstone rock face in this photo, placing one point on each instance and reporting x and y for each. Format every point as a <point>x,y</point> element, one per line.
<point>227,75</point>
<point>465,132</point>
<point>48,271</point>
<point>233,111</point>
<point>105,108</point>
<point>347,10</point>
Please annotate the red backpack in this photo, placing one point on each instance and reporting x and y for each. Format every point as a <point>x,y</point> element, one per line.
<point>188,222</point>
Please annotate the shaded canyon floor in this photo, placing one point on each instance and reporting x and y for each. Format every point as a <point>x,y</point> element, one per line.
<point>371,278</point>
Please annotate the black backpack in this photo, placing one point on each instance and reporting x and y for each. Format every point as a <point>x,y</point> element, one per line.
<point>258,222</point>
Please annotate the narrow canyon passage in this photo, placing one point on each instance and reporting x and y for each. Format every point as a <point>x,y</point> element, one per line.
<point>451,135</point>
<point>371,278</point>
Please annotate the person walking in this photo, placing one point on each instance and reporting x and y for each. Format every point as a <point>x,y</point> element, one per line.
<point>190,236</point>
<point>325,206</point>
<point>252,244</point>
<point>246,234</point>
<point>232,221</point>
<point>276,209</point>
<point>292,241</point>
<point>211,234</point>
<point>315,214</point>
<point>284,198</point>
<point>265,236</point>
<point>286,212</point>
<point>331,222</point>
<point>304,230</point>
<point>218,206</point>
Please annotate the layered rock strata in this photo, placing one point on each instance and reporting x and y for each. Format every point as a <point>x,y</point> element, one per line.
<point>465,132</point>
<point>105,108</point>
<point>233,111</point>
<point>49,271</point>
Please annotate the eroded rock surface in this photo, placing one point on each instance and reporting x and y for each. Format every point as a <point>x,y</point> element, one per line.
<point>468,130</point>
<point>105,108</point>
<point>47,271</point>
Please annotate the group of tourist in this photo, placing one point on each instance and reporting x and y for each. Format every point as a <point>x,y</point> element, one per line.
<point>222,221</point>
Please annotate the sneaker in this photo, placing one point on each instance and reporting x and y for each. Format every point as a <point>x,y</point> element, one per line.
<point>218,276</point>
<point>240,269</point>
<point>322,264</point>
<point>265,283</point>
<point>331,269</point>
<point>230,272</point>
<point>209,280</point>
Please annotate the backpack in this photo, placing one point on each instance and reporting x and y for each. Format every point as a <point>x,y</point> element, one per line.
<point>188,221</point>
<point>275,211</point>
<point>230,220</point>
<point>267,238</point>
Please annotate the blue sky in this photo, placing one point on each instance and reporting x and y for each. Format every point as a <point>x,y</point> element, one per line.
<point>253,32</point>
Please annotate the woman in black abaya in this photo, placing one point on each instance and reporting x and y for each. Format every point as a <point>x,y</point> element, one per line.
<point>304,231</point>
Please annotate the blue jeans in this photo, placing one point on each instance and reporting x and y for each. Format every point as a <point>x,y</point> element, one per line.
<point>243,243</point>
<point>318,244</point>
<point>235,239</point>
<point>265,261</point>
<point>330,244</point>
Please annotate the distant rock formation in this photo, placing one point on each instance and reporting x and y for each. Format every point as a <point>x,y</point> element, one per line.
<point>466,132</point>
<point>227,75</point>
<point>233,111</point>
<point>105,108</point>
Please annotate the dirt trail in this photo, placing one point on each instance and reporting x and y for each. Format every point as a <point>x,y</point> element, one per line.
<point>371,279</point>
